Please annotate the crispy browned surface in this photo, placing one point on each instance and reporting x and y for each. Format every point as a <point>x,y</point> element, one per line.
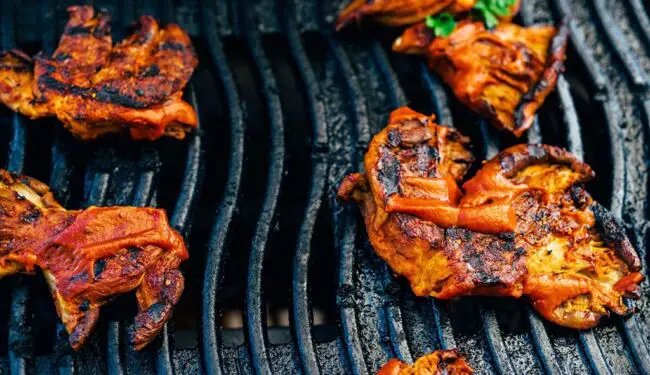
<point>91,256</point>
<point>564,251</point>
<point>503,74</point>
<point>96,88</point>
<point>406,12</point>
<point>437,363</point>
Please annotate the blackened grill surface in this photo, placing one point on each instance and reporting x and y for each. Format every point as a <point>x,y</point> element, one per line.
<point>287,108</point>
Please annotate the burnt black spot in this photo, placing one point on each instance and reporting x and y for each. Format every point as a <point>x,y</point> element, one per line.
<point>31,216</point>
<point>134,252</point>
<point>60,57</point>
<point>77,30</point>
<point>52,84</point>
<point>612,232</point>
<point>84,305</point>
<point>81,276</point>
<point>99,267</point>
<point>507,162</point>
<point>389,171</point>
<point>109,94</point>
<point>579,196</point>
<point>507,236</point>
<point>150,71</point>
<point>394,137</point>
<point>156,311</point>
<point>173,46</point>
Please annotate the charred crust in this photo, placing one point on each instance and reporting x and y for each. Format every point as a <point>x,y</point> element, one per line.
<point>612,232</point>
<point>99,267</point>
<point>157,312</point>
<point>388,170</point>
<point>134,252</point>
<point>172,46</point>
<point>394,137</point>
<point>77,30</point>
<point>150,71</point>
<point>554,67</point>
<point>519,157</point>
<point>105,94</point>
<point>31,215</point>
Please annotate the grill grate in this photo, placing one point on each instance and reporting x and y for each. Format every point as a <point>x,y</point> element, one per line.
<point>253,193</point>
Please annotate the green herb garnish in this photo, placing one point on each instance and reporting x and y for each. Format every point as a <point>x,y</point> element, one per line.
<point>442,24</point>
<point>491,10</point>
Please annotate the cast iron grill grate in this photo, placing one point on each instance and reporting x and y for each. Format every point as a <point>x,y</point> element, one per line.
<point>287,109</point>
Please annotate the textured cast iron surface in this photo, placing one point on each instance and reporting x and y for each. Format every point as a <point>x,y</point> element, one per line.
<point>287,109</point>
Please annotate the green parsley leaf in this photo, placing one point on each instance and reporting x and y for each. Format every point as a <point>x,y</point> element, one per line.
<point>490,10</point>
<point>442,24</point>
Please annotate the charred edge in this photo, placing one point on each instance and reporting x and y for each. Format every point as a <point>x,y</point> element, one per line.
<point>26,61</point>
<point>388,168</point>
<point>519,157</point>
<point>134,252</point>
<point>157,312</point>
<point>99,267</point>
<point>548,78</point>
<point>612,232</point>
<point>173,46</point>
<point>104,95</point>
<point>150,71</point>
<point>77,30</point>
<point>31,216</point>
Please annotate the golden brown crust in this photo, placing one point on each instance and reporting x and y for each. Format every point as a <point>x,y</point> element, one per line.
<point>96,88</point>
<point>503,74</point>
<point>530,229</point>
<point>437,363</point>
<point>91,256</point>
<point>407,12</point>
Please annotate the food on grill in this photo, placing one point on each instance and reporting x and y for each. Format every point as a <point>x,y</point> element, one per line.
<point>503,74</point>
<point>437,363</point>
<point>408,12</point>
<point>96,88</point>
<point>90,256</point>
<point>523,226</point>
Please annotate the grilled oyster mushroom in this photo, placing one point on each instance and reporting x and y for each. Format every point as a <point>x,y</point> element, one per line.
<point>407,12</point>
<point>504,74</point>
<point>96,88</point>
<point>437,363</point>
<point>523,226</point>
<point>90,256</point>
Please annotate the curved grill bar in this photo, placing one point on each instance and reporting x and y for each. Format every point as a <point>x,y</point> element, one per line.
<point>216,244</point>
<point>347,239</point>
<point>578,40</point>
<point>618,43</point>
<point>302,318</point>
<point>641,16</point>
<point>256,334</point>
<point>301,310</point>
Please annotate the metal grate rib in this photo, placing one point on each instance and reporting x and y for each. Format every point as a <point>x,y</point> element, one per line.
<point>216,244</point>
